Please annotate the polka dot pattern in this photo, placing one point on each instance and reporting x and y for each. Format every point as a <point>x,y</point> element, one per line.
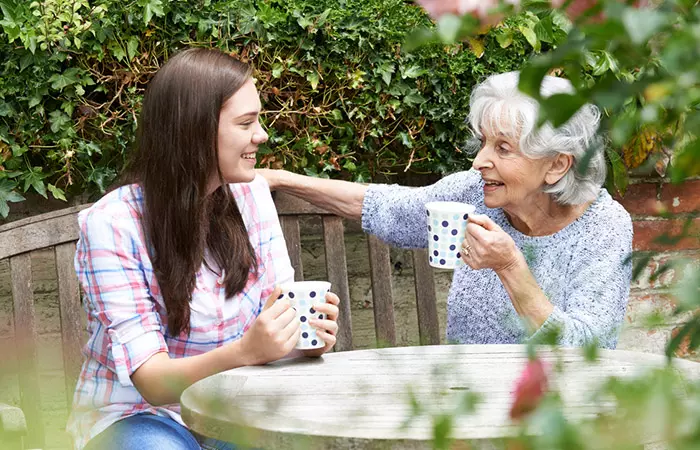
<point>304,296</point>
<point>447,223</point>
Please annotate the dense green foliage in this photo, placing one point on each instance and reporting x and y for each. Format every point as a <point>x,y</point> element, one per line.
<point>343,97</point>
<point>650,92</point>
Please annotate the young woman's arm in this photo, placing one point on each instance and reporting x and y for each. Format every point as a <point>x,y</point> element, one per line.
<point>113,268</point>
<point>161,379</point>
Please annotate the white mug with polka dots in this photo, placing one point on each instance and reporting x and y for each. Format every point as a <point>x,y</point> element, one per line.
<point>447,223</point>
<point>303,296</point>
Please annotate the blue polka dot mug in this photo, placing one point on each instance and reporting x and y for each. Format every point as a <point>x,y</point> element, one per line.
<point>447,223</point>
<point>303,296</point>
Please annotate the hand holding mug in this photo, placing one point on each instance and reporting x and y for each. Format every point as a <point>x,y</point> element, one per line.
<point>274,333</point>
<point>317,313</point>
<point>487,246</point>
<point>327,328</point>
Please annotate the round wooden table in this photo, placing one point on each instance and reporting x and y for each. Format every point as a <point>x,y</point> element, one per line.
<point>360,399</point>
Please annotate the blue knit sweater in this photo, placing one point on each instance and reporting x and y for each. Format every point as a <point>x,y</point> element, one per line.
<point>583,269</point>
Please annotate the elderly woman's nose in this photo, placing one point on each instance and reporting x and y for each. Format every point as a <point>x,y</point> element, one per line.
<point>482,159</point>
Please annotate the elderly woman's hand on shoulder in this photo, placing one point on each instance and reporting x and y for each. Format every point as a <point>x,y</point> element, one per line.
<point>487,246</point>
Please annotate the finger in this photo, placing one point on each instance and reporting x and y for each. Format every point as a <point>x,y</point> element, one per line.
<point>327,325</point>
<point>331,311</point>
<point>284,319</point>
<point>290,329</point>
<point>476,232</point>
<point>292,341</point>
<point>466,248</point>
<point>277,309</point>
<point>272,298</point>
<point>484,220</point>
<point>332,298</point>
<point>328,338</point>
<point>469,260</point>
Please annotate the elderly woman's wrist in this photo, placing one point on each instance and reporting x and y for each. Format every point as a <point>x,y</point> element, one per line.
<point>514,267</point>
<point>284,180</point>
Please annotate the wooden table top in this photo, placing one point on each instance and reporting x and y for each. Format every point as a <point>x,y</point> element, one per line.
<point>360,399</point>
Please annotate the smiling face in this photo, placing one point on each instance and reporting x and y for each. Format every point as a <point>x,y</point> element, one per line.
<point>239,134</point>
<point>511,179</point>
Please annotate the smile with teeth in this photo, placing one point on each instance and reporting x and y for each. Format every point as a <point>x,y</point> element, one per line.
<point>248,155</point>
<point>493,183</point>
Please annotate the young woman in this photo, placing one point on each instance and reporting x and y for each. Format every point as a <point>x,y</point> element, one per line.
<point>179,266</point>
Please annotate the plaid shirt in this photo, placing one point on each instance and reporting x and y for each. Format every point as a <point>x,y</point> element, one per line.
<point>127,319</point>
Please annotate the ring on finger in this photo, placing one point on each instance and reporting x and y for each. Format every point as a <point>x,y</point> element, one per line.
<point>466,249</point>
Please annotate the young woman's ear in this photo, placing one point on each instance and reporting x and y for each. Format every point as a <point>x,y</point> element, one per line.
<point>561,164</point>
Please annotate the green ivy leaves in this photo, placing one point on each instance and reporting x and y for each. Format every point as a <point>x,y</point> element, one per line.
<point>151,8</point>
<point>342,95</point>
<point>8,194</point>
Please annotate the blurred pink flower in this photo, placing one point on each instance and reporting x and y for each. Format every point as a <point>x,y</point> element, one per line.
<point>529,389</point>
<point>578,7</point>
<point>479,8</point>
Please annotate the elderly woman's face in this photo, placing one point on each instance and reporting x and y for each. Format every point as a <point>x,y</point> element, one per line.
<point>511,180</point>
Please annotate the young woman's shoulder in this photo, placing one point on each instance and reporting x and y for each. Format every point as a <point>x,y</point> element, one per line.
<point>122,204</point>
<point>254,196</point>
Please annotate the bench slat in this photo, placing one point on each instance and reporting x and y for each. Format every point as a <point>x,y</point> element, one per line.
<point>71,312</point>
<point>290,229</point>
<point>289,205</point>
<point>40,218</point>
<point>380,268</point>
<point>426,302</point>
<point>26,341</point>
<point>40,232</point>
<point>336,265</point>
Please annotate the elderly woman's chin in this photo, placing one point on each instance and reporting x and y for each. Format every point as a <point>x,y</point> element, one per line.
<point>494,196</point>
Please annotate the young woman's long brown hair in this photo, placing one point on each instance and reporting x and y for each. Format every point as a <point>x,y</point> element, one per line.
<point>175,158</point>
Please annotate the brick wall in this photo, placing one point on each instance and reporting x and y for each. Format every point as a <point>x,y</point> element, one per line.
<point>657,208</point>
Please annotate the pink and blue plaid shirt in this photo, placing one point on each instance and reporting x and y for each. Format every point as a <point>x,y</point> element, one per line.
<point>127,319</point>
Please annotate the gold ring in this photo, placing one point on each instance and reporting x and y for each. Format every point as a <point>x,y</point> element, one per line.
<point>465,250</point>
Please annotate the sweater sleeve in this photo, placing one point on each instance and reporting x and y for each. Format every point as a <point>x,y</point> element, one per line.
<point>396,214</point>
<point>598,291</point>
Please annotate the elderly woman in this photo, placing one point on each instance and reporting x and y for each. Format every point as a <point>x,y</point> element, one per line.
<point>548,252</point>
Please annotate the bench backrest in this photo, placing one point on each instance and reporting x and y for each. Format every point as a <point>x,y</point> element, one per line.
<point>17,241</point>
<point>59,230</point>
<point>291,209</point>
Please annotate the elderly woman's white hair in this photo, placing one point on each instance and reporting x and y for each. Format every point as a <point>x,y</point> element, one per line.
<point>498,107</point>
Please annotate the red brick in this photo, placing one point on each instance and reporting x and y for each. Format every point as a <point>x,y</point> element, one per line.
<point>666,268</point>
<point>640,199</point>
<point>683,350</point>
<point>658,261</point>
<point>681,198</point>
<point>647,231</point>
<point>642,304</point>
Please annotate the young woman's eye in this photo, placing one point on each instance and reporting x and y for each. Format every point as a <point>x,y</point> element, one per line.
<point>247,124</point>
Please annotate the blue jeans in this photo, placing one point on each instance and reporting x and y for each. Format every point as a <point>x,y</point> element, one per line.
<point>151,432</point>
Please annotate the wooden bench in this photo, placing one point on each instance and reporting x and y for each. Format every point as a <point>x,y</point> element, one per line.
<point>23,425</point>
